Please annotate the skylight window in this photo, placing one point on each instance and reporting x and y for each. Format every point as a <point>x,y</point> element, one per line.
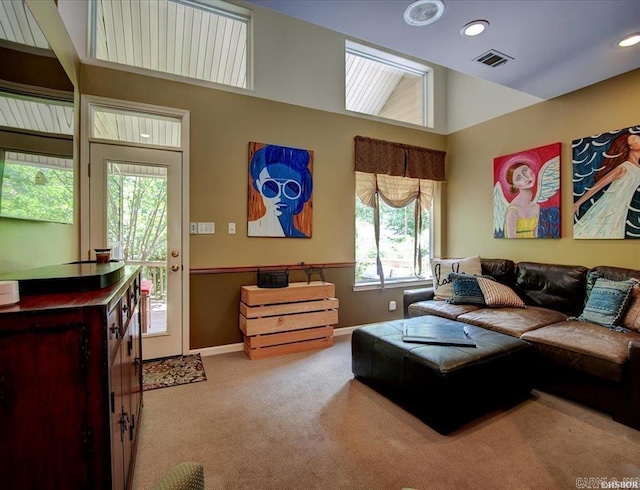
<point>187,38</point>
<point>18,25</point>
<point>36,113</point>
<point>385,85</point>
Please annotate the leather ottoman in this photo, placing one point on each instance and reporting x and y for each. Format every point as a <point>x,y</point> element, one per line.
<point>445,386</point>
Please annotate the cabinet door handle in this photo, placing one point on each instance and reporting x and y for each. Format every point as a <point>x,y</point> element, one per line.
<point>137,362</point>
<point>130,345</point>
<point>132,427</point>
<point>124,422</point>
<point>115,329</point>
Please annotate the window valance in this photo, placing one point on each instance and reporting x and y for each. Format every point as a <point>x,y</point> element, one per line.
<point>383,157</point>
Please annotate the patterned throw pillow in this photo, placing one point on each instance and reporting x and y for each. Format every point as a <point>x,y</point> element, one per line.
<point>592,277</point>
<point>497,295</point>
<point>607,301</point>
<point>466,290</point>
<point>441,268</point>
<point>631,318</point>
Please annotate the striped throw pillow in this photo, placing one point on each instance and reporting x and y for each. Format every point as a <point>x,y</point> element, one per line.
<point>466,290</point>
<point>607,302</point>
<point>497,295</point>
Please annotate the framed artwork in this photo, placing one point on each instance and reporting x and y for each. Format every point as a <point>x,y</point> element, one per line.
<point>606,185</point>
<point>526,194</point>
<point>280,191</point>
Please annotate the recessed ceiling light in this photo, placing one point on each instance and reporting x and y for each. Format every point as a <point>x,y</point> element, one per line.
<point>630,40</point>
<point>423,12</point>
<point>474,28</point>
<point>145,135</point>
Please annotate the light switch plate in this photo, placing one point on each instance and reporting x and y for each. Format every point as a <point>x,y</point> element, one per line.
<point>193,228</point>
<point>206,228</point>
<point>232,228</point>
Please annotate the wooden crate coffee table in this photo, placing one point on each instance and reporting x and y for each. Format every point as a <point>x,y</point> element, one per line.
<point>281,321</point>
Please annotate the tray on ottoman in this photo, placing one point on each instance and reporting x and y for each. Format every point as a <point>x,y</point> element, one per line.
<point>445,386</point>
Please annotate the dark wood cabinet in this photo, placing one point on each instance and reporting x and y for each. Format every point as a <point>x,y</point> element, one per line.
<point>71,388</point>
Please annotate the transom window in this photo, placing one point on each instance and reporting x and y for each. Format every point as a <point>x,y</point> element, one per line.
<point>385,85</point>
<point>205,40</point>
<point>114,124</point>
<point>18,25</point>
<point>33,113</point>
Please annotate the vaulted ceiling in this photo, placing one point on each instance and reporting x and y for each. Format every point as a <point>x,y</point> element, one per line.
<point>556,46</point>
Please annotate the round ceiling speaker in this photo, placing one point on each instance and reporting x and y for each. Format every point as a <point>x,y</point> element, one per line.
<point>423,12</point>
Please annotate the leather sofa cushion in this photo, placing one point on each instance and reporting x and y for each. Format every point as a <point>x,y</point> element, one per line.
<point>502,270</point>
<point>615,273</point>
<point>559,287</point>
<point>512,321</point>
<point>439,308</point>
<point>584,346</point>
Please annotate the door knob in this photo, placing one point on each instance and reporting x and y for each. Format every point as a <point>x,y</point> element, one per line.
<point>175,268</point>
<point>175,253</point>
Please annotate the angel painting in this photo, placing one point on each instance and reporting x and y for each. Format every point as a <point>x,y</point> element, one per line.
<point>526,194</point>
<point>606,185</point>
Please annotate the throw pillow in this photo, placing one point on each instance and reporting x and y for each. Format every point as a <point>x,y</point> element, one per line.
<point>441,268</point>
<point>466,290</point>
<point>497,295</point>
<point>607,301</point>
<point>592,277</point>
<point>631,318</point>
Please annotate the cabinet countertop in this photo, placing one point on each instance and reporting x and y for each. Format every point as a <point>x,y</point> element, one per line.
<point>95,297</point>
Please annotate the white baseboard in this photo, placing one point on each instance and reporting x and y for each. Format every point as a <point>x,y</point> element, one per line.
<point>225,349</point>
<point>218,349</point>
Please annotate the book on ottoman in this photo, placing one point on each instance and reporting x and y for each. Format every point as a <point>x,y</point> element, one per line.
<point>423,334</point>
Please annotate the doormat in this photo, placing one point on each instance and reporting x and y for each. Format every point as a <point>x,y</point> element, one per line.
<point>172,371</point>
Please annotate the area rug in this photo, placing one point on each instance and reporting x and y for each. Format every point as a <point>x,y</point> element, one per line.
<point>172,371</point>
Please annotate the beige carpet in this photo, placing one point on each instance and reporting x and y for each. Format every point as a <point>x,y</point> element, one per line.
<point>302,422</point>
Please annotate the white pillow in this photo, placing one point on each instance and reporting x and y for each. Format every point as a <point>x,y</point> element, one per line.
<point>441,268</point>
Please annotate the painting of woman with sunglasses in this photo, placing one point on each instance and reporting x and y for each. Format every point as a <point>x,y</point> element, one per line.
<point>280,187</point>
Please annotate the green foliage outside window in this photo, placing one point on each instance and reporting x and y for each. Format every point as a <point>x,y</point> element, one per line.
<point>137,223</point>
<point>137,216</point>
<point>397,231</point>
<point>36,193</point>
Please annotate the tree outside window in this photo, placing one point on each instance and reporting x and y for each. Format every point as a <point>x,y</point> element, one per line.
<point>397,232</point>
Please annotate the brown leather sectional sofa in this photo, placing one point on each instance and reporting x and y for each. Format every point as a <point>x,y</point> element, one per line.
<point>592,364</point>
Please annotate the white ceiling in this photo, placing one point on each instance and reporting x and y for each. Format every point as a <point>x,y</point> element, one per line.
<point>558,46</point>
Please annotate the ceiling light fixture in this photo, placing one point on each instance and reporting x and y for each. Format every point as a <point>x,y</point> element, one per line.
<point>630,40</point>
<point>474,28</point>
<point>145,135</point>
<point>423,12</point>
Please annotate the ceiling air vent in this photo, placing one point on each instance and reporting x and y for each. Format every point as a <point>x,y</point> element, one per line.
<point>493,58</point>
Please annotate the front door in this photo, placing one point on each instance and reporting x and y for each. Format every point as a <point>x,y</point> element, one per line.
<point>135,209</point>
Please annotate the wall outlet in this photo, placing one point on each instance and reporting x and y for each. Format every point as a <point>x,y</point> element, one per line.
<point>232,228</point>
<point>392,306</point>
<point>206,228</point>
